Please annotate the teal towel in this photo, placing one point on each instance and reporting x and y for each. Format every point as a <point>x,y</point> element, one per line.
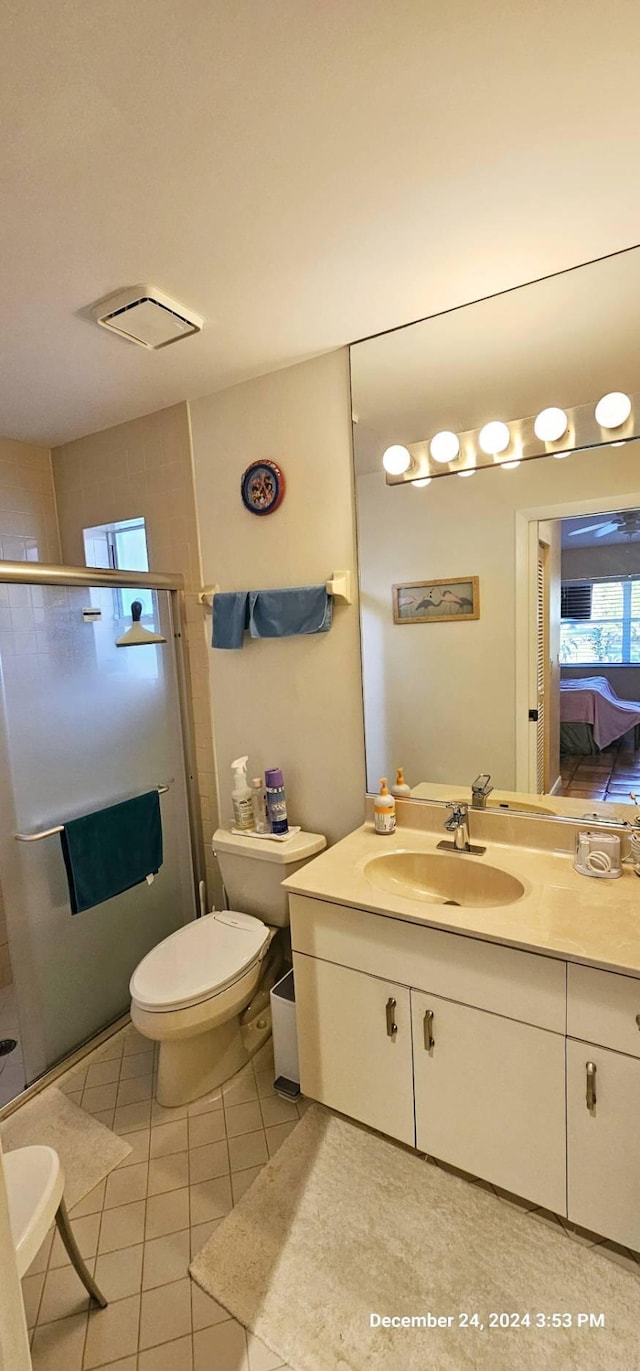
<point>112,850</point>
<point>285,613</point>
<point>230,617</point>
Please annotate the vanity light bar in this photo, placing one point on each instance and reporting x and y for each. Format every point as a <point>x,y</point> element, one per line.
<point>554,432</point>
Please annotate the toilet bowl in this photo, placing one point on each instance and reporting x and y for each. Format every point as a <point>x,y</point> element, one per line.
<point>189,993</point>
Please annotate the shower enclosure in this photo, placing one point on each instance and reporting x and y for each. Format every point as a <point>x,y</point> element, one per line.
<point>83,725</point>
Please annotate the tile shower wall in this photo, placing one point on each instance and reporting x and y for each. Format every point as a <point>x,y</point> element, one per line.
<point>144,468</point>
<point>28,533</point>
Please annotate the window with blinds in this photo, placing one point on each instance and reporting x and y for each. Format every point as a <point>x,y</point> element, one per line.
<point>600,621</point>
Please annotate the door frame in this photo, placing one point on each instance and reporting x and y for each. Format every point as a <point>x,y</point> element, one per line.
<point>526,540</point>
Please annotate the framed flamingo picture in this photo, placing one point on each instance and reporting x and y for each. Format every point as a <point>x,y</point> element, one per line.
<point>437,602</point>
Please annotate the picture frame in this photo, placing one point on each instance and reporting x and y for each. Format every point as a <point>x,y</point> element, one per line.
<point>452,600</point>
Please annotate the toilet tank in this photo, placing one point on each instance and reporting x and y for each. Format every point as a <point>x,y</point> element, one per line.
<point>253,869</point>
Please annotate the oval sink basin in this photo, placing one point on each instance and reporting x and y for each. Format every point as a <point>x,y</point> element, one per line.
<point>442,878</point>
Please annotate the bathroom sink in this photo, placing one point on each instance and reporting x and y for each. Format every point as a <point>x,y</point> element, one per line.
<point>439,878</point>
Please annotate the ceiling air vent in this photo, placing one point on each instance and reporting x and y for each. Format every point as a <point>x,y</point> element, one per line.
<point>146,316</point>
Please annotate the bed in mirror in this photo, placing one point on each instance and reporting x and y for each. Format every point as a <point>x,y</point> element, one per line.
<point>500,614</point>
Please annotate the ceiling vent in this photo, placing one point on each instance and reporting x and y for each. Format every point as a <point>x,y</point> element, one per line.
<point>146,316</point>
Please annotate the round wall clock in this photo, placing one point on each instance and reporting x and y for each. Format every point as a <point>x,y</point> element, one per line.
<point>262,487</point>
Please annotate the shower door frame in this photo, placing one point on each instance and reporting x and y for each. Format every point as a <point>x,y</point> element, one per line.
<point>52,574</point>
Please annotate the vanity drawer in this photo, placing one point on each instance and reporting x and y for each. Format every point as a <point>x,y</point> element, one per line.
<point>518,985</point>
<point>604,1007</point>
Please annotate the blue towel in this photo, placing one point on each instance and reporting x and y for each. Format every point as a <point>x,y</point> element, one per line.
<point>230,618</point>
<point>112,850</point>
<point>283,613</point>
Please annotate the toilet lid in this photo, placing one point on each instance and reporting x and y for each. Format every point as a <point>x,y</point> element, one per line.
<point>198,961</point>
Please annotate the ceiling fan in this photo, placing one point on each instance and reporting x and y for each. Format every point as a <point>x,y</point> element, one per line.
<point>627,522</point>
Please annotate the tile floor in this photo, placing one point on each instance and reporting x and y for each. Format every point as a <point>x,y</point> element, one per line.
<point>139,1228</point>
<point>11,1066</point>
<point>602,776</point>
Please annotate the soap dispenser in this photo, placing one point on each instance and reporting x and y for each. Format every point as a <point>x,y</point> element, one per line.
<point>384,810</point>
<point>400,788</point>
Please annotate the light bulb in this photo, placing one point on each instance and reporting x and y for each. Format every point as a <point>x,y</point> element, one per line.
<point>494,437</point>
<point>444,446</point>
<point>509,466</point>
<point>550,424</point>
<point>470,472</point>
<point>613,409</point>
<point>396,459</point>
<point>424,481</point>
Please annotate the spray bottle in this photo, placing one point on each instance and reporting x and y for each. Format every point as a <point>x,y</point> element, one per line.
<point>241,794</point>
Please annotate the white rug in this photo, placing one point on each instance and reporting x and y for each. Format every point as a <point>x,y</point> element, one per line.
<point>88,1151</point>
<point>341,1224</point>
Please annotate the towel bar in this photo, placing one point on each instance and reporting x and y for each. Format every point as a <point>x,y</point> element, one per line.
<point>49,832</point>
<point>338,585</point>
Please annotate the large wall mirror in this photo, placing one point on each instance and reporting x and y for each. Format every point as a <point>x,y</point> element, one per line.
<point>501,614</point>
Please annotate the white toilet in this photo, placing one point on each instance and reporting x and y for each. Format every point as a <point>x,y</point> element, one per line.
<point>189,992</point>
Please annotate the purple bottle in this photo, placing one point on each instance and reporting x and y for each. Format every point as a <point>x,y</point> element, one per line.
<point>276,800</point>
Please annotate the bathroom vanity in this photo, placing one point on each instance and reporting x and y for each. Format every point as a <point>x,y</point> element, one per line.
<point>499,1032</point>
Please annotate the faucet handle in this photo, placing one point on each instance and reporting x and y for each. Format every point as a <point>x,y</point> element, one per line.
<point>459,809</point>
<point>481,784</point>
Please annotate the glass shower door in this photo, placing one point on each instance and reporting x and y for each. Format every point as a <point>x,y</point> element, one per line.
<point>83,724</point>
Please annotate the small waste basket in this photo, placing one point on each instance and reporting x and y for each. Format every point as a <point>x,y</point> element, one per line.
<point>285,1041</point>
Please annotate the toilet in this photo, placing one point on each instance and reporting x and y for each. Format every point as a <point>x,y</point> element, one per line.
<point>192,993</point>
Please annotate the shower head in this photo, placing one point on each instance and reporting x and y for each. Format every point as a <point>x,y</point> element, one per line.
<point>138,634</point>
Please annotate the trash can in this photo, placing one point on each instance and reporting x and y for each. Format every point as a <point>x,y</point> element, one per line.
<point>285,1041</point>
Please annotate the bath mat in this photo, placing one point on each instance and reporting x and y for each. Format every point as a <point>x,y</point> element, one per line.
<point>88,1151</point>
<point>342,1225</point>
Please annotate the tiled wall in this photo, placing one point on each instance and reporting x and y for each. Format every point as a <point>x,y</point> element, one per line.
<point>144,468</point>
<point>28,532</point>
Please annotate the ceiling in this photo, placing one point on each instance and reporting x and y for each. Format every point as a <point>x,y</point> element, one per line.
<point>592,523</point>
<point>299,173</point>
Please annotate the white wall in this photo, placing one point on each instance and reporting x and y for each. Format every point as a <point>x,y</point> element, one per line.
<point>295,702</point>
<point>440,698</point>
<point>603,559</point>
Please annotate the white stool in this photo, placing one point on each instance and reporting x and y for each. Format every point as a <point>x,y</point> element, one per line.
<point>35,1183</point>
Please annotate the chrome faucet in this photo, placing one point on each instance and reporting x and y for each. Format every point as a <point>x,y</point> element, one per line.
<point>458,824</point>
<point>480,791</point>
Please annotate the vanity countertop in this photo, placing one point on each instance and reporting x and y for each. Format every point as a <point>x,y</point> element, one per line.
<point>561,913</point>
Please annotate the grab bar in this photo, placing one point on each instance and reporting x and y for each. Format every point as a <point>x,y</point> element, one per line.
<point>49,832</point>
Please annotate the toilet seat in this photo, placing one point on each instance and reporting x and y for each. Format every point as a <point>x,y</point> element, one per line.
<point>198,961</point>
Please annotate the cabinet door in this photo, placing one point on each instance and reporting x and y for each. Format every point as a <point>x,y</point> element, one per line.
<point>604,1142</point>
<point>354,1045</point>
<point>490,1097</point>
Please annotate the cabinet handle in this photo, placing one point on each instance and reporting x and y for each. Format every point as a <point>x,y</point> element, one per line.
<point>429,1040</point>
<point>591,1087</point>
<point>638,1020</point>
<point>392,1027</point>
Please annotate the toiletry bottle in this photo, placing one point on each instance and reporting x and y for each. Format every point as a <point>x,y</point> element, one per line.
<point>400,787</point>
<point>259,801</point>
<point>241,795</point>
<point>384,810</point>
<point>276,800</point>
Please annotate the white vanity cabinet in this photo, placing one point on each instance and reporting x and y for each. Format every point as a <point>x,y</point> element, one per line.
<point>603,1102</point>
<point>476,1046</point>
<point>603,1153</point>
<point>489,1097</point>
<point>354,1045</point>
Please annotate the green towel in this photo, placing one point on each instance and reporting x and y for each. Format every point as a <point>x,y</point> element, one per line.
<point>112,850</point>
